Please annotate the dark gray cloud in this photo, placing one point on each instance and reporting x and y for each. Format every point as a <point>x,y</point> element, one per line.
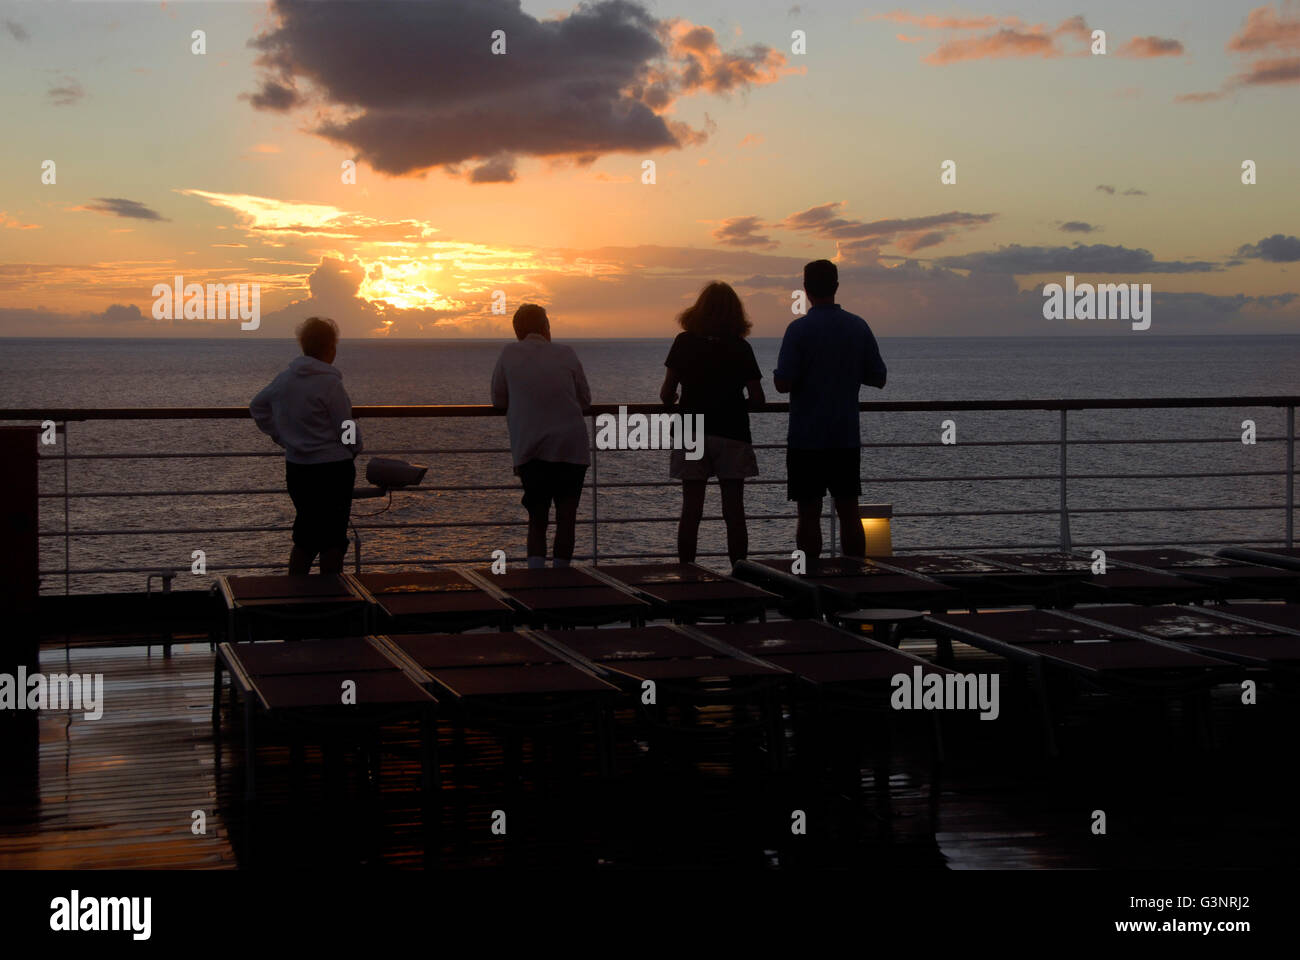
<point>912,242</point>
<point>120,207</point>
<point>824,220</point>
<point>859,241</point>
<point>123,313</point>
<point>742,232</point>
<point>1093,258</point>
<point>1131,192</point>
<point>275,96</point>
<point>1077,226</point>
<point>1276,249</point>
<point>67,93</point>
<point>1207,311</point>
<point>497,170</point>
<point>409,86</point>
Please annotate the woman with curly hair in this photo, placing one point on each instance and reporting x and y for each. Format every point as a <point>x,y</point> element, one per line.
<point>714,367</point>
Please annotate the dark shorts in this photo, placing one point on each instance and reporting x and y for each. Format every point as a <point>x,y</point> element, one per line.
<point>322,495</point>
<point>546,481</point>
<point>811,473</point>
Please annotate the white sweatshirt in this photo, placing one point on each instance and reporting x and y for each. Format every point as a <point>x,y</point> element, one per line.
<point>303,410</point>
<point>544,391</point>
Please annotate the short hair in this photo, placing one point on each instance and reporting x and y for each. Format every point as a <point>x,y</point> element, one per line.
<point>530,318</point>
<point>716,312</point>
<point>317,336</point>
<point>821,278</point>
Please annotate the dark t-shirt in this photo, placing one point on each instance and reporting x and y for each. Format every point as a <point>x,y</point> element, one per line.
<point>713,372</point>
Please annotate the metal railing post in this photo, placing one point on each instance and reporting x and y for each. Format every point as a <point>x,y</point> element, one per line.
<point>67,533</point>
<point>595,491</point>
<point>1066,545</point>
<point>1290,476</point>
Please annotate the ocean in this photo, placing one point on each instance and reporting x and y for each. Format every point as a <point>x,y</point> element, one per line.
<point>137,531</point>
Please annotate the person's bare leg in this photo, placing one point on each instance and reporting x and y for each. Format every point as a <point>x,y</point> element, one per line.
<point>852,537</point>
<point>300,560</point>
<point>733,512</point>
<point>808,535</point>
<point>688,528</point>
<point>537,521</point>
<point>331,561</point>
<point>566,526</point>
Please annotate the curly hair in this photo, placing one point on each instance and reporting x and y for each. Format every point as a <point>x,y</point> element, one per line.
<point>717,312</point>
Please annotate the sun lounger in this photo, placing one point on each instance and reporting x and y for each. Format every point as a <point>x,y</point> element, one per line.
<point>333,691</point>
<point>1284,558</point>
<point>845,583</point>
<point>566,597</point>
<point>686,592</point>
<point>680,668</point>
<point>415,601</point>
<point>1205,630</point>
<point>982,582</point>
<point>1076,583</point>
<point>511,682</point>
<point>1109,659</point>
<point>291,607</point>
<point>1229,579</point>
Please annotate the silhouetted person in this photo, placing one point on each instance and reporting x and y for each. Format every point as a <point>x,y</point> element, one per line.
<point>826,355</point>
<point>306,410</point>
<point>544,391</point>
<point>719,378</point>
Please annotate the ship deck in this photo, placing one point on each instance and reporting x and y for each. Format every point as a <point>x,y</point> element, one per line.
<point>121,792</point>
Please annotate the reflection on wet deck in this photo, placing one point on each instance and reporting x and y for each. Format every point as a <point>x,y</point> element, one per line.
<point>122,791</point>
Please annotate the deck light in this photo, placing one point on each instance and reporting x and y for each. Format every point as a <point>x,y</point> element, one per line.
<point>875,527</point>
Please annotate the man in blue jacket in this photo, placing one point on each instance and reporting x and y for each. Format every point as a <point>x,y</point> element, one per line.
<point>826,356</point>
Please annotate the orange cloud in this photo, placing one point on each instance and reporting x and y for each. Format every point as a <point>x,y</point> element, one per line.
<point>9,223</point>
<point>1282,70</point>
<point>1264,29</point>
<point>1012,38</point>
<point>1006,37</point>
<point>1145,47</point>
<point>742,232</point>
<point>1005,43</point>
<point>1263,32</point>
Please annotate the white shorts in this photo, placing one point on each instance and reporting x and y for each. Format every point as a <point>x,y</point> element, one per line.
<point>724,458</point>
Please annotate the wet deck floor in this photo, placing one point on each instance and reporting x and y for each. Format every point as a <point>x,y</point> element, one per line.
<point>121,791</point>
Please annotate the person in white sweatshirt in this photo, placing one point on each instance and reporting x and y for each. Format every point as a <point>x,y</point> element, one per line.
<point>306,410</point>
<point>544,392</point>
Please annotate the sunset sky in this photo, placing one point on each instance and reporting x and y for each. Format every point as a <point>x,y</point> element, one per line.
<point>522,172</point>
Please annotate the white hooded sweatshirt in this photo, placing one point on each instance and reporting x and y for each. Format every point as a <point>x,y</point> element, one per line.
<point>303,410</point>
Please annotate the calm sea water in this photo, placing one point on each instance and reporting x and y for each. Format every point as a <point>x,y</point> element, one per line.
<point>47,374</point>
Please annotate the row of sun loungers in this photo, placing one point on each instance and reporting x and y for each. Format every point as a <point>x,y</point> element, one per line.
<point>464,598</point>
<point>582,645</point>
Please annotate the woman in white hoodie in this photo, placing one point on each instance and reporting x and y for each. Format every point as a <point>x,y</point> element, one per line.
<point>306,410</point>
